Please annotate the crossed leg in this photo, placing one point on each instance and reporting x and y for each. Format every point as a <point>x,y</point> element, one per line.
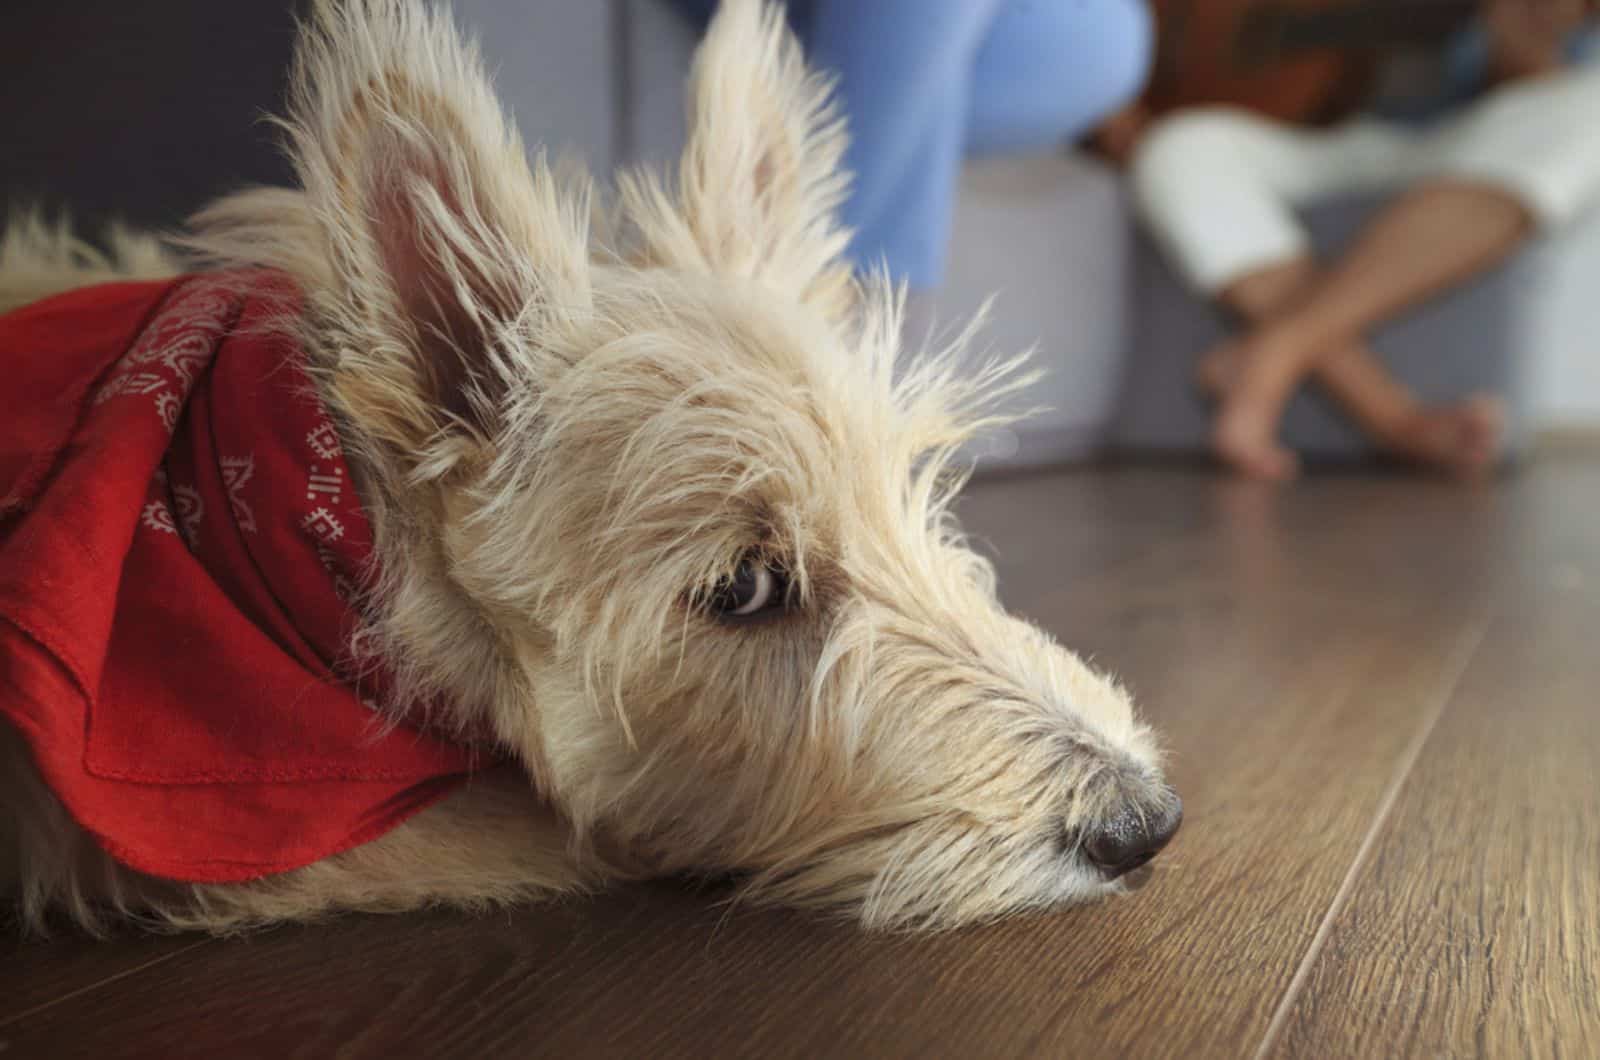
<point>1305,322</point>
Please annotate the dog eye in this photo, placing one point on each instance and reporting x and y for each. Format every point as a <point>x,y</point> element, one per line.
<point>755,587</point>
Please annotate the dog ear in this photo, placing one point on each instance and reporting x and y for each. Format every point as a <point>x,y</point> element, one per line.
<point>760,181</point>
<point>453,262</point>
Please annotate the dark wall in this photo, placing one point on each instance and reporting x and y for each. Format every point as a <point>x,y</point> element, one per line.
<point>138,109</point>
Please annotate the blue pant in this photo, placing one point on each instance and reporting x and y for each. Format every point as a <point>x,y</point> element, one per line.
<point>925,82</point>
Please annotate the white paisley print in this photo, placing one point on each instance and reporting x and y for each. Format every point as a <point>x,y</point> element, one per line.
<point>191,509</point>
<point>236,473</point>
<point>157,516</point>
<point>169,355</point>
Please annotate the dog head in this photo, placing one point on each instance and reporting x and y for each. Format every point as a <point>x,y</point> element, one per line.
<point>657,506</point>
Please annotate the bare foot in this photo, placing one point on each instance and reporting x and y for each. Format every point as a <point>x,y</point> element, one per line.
<point>1244,432</point>
<point>1460,439</point>
<point>1243,436</point>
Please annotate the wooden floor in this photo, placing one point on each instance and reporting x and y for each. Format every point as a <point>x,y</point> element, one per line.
<point>1382,698</point>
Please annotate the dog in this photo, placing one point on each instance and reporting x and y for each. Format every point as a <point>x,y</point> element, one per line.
<point>660,576</point>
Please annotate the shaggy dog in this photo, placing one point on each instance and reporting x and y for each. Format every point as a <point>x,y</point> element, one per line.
<point>658,527</point>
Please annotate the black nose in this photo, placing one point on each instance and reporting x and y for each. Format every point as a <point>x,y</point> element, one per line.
<point>1133,836</point>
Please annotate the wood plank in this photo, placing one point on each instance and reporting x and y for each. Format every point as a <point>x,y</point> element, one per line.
<point>41,972</point>
<point>1288,725</point>
<point>1474,929</point>
<point>1289,645</point>
<point>1146,534</point>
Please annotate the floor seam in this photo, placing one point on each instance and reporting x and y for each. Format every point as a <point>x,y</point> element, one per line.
<point>18,1017</point>
<point>1456,669</point>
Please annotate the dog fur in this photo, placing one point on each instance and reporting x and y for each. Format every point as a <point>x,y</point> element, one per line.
<point>571,424</point>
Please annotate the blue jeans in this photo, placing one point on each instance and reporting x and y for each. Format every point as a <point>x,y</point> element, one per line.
<point>924,83</point>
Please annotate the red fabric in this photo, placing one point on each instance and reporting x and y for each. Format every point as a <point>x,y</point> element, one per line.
<point>178,536</point>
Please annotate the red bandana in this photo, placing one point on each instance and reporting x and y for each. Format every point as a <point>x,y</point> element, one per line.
<point>179,534</point>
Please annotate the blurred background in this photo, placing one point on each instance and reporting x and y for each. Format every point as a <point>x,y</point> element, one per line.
<point>143,112</point>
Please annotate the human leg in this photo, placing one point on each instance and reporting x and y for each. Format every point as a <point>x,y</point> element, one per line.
<point>925,82</point>
<point>1049,71</point>
<point>1519,161</point>
<point>1460,437</point>
<point>1218,187</point>
<point>1431,238</point>
<point>903,70</point>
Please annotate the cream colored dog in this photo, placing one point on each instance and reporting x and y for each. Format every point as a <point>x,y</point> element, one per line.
<point>657,508</point>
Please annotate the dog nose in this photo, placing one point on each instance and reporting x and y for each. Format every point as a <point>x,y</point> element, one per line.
<point>1133,837</point>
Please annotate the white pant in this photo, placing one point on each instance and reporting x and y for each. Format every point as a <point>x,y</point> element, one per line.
<point>1217,186</point>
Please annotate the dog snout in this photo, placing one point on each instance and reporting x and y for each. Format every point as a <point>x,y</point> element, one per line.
<point>1133,835</point>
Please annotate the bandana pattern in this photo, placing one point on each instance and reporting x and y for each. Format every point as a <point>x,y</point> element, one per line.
<point>167,358</point>
<point>180,552</point>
